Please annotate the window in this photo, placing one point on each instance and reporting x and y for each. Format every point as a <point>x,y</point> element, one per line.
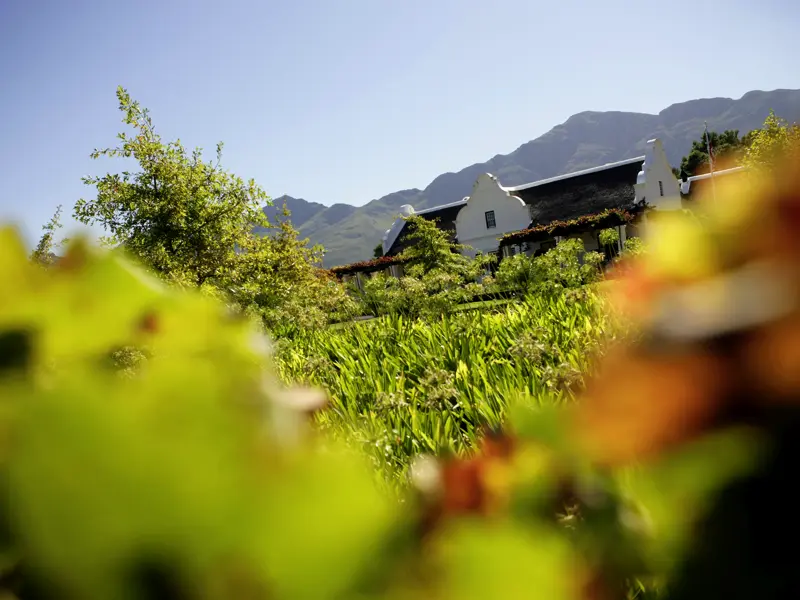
<point>512,250</point>
<point>490,222</point>
<point>661,187</point>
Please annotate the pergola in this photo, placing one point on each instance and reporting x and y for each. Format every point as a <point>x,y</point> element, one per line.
<point>367,266</point>
<point>614,217</point>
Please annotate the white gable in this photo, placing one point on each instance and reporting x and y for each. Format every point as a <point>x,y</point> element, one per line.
<point>656,184</point>
<point>508,213</point>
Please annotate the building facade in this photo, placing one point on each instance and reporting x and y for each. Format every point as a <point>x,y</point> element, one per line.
<point>534,217</point>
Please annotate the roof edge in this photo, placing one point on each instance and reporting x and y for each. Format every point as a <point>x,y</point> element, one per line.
<point>686,186</point>
<point>440,207</point>
<point>716,173</point>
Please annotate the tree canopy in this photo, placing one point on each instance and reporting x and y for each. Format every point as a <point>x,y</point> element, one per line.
<point>276,276</point>
<point>433,249</point>
<point>726,147</point>
<point>437,275</point>
<point>777,140</point>
<point>759,149</point>
<point>193,223</point>
<point>179,215</point>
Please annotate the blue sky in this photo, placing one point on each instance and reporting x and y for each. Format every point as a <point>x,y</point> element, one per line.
<point>345,101</point>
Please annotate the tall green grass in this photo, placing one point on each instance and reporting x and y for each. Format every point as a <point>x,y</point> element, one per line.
<point>403,387</point>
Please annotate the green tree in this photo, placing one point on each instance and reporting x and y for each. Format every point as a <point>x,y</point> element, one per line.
<point>377,252</point>
<point>44,252</point>
<point>726,146</point>
<point>432,249</point>
<point>437,276</point>
<point>776,140</point>
<point>275,276</point>
<point>193,223</point>
<point>179,215</point>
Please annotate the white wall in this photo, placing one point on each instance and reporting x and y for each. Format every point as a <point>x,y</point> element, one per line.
<point>656,168</point>
<point>510,214</point>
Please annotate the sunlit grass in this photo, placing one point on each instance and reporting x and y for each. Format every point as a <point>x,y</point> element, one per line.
<point>403,387</point>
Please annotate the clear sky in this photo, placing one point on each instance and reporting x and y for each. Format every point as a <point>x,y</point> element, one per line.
<point>348,100</point>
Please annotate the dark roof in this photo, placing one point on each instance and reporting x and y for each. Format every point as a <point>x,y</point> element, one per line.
<point>587,192</point>
<point>608,218</point>
<point>446,215</point>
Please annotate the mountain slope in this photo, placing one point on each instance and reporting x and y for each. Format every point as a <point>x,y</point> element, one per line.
<point>301,210</point>
<point>584,140</point>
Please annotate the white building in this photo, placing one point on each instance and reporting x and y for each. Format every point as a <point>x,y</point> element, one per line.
<point>493,211</point>
<point>533,217</point>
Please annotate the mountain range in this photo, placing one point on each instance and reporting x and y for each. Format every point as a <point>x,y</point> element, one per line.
<point>586,139</point>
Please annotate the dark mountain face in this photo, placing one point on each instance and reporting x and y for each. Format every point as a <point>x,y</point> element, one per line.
<point>584,140</point>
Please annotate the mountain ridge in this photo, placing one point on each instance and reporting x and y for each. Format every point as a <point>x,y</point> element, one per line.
<point>586,139</point>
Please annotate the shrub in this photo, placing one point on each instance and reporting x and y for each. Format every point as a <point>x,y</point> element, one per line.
<point>437,276</point>
<point>518,272</point>
<point>608,237</point>
<point>565,266</point>
<point>275,277</point>
<point>433,293</point>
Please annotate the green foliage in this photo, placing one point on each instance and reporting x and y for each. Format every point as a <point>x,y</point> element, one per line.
<point>178,215</point>
<point>566,266</point>
<point>518,272</point>
<point>274,276</point>
<point>437,276</point>
<point>759,149</point>
<point>434,385</point>
<point>402,387</point>
<point>569,266</point>
<point>633,247</point>
<point>727,147</point>
<point>172,480</point>
<point>777,140</point>
<point>432,248</point>
<point>44,253</point>
<point>429,295</point>
<point>192,222</point>
<point>608,237</point>
<point>151,451</point>
<point>377,252</point>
